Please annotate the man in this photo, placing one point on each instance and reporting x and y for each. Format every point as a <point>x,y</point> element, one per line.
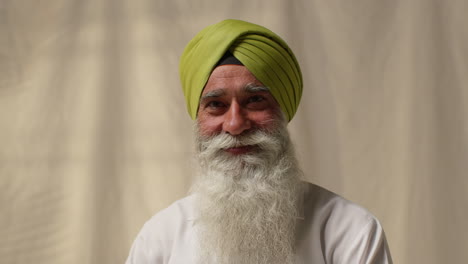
<point>243,84</point>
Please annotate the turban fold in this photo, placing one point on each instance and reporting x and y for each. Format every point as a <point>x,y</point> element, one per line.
<point>264,53</point>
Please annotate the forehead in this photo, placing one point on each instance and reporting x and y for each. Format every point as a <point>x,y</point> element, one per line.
<point>230,77</point>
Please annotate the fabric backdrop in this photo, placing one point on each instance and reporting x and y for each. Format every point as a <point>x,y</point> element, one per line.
<point>95,137</point>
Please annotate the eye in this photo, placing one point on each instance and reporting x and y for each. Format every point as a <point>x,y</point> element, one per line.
<point>257,102</point>
<point>214,107</point>
<point>214,104</point>
<point>256,99</point>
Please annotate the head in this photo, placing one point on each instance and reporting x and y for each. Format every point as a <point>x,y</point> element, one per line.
<point>249,187</point>
<point>260,50</point>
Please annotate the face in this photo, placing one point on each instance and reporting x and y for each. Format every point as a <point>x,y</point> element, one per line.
<point>235,102</point>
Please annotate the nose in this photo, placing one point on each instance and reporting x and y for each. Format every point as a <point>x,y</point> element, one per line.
<point>236,121</point>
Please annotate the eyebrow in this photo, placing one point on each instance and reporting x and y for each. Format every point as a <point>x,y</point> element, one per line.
<point>213,94</point>
<point>252,88</point>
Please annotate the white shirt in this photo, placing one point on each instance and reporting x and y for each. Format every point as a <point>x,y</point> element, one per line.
<point>333,231</point>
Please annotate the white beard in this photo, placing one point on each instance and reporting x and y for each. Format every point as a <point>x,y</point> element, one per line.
<point>247,204</point>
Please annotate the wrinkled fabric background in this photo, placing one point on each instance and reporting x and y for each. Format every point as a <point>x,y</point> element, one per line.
<point>95,137</point>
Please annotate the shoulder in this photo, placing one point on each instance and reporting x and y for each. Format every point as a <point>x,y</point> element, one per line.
<point>165,225</point>
<point>332,209</point>
<point>348,233</point>
<point>160,233</point>
<point>179,211</point>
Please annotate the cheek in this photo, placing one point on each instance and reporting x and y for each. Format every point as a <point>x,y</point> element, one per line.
<point>266,120</point>
<point>209,126</point>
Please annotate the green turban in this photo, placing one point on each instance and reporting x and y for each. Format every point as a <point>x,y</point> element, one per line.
<point>263,52</point>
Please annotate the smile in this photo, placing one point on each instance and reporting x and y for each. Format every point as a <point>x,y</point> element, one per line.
<point>240,150</point>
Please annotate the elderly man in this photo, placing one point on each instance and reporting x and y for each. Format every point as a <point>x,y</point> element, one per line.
<point>242,85</point>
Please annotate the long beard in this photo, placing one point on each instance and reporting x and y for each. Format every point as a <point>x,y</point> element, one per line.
<point>247,204</point>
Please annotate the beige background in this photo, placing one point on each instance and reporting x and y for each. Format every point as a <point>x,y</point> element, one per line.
<point>95,138</point>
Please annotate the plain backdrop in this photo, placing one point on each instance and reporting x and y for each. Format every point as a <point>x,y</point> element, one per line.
<point>95,137</point>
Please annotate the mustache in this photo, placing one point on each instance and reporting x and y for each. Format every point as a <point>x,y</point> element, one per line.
<point>224,140</point>
<point>263,140</point>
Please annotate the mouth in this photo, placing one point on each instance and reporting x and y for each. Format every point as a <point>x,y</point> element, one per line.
<point>240,150</point>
